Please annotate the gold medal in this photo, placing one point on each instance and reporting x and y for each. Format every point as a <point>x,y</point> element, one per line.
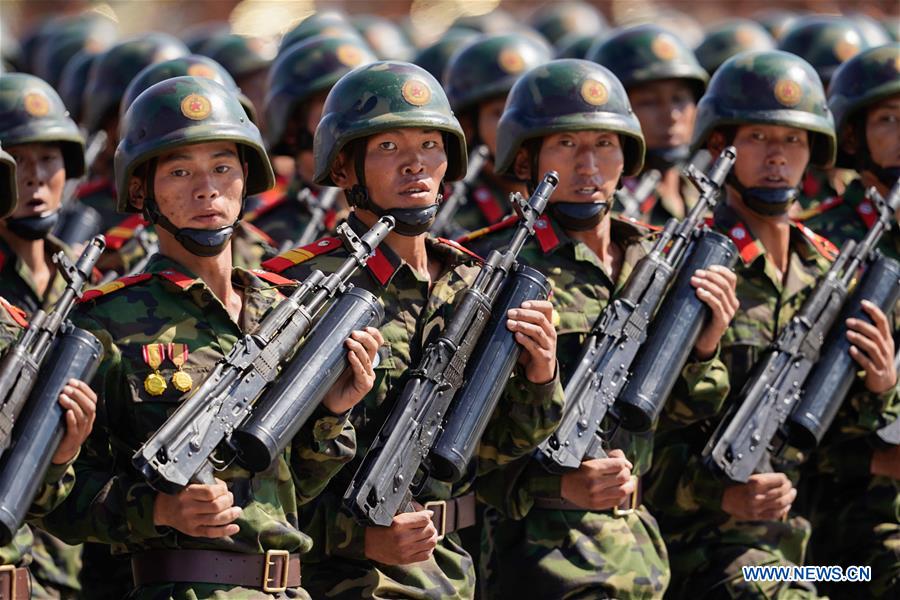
<point>178,354</point>
<point>154,383</point>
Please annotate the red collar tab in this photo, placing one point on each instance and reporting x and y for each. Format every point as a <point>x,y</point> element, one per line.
<point>488,204</point>
<point>546,237</point>
<point>380,266</point>
<point>745,242</point>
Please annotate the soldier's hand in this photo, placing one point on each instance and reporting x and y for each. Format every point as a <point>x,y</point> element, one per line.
<point>357,379</point>
<point>198,510</point>
<point>533,325</point>
<point>411,538</point>
<point>600,483</point>
<point>873,348</point>
<point>886,462</point>
<point>716,288</point>
<point>765,497</point>
<point>80,403</point>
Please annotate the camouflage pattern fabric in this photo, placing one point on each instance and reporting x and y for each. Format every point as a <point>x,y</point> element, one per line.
<point>111,503</point>
<point>413,314</point>
<point>707,547</point>
<point>542,553</point>
<point>18,284</point>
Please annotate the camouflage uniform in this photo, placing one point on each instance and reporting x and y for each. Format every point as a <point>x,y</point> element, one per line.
<point>18,284</point>
<point>532,551</point>
<point>855,515</point>
<point>641,55</point>
<point>414,312</point>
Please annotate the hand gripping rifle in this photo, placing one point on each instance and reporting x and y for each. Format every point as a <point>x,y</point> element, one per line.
<point>623,327</point>
<point>755,428</point>
<point>395,466</point>
<point>183,450</point>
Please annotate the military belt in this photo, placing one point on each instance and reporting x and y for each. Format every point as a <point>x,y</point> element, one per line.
<point>15,584</point>
<point>627,506</point>
<point>450,515</point>
<point>272,572</point>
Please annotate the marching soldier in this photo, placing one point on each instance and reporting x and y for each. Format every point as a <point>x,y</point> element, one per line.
<point>389,139</point>
<point>854,482</point>
<point>664,83</point>
<point>725,40</point>
<point>477,80</point>
<point>771,107</point>
<point>585,533</point>
<point>187,160</point>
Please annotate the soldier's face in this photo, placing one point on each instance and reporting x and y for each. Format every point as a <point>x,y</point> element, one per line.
<point>770,155</point>
<point>883,132</point>
<point>589,164</point>
<point>200,185</point>
<point>489,114</point>
<point>666,110</point>
<point>40,178</point>
<point>404,168</point>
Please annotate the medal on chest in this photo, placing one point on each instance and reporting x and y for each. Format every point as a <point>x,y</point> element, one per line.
<point>154,383</point>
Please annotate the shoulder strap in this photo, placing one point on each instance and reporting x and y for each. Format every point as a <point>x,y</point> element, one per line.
<point>296,256</point>
<point>114,286</point>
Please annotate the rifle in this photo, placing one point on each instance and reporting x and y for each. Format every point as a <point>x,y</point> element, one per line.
<point>444,225</point>
<point>755,429</point>
<point>318,210</point>
<point>24,359</point>
<point>833,375</point>
<point>622,329</point>
<point>183,449</point>
<point>79,222</point>
<point>395,465</point>
<point>631,201</point>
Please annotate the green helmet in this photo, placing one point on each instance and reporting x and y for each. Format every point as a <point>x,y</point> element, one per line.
<point>777,21</point>
<point>385,37</point>
<point>308,68</point>
<point>8,185</point>
<point>646,53</point>
<point>71,82</point>
<point>867,78</point>
<point>574,45</point>
<point>239,54</point>
<point>558,19</point>
<point>725,40</point>
<point>824,42</point>
<point>488,66</point>
<point>769,87</point>
<point>114,69</point>
<point>181,111</point>
<point>434,58</point>
<point>568,95</point>
<point>193,65</point>
<point>872,31</point>
<point>383,96</point>
<point>95,34</point>
<point>321,23</point>
<point>196,36</point>
<point>31,112</point>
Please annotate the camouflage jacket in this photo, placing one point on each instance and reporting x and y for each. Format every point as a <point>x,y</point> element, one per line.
<point>581,288</point>
<point>136,319</point>
<point>485,204</point>
<point>18,284</point>
<point>685,495</point>
<point>526,415</point>
<point>59,479</point>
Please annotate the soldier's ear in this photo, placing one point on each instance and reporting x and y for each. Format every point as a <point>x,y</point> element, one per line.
<point>341,171</point>
<point>522,165</point>
<point>137,192</point>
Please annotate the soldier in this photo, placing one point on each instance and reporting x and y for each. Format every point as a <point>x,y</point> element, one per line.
<point>477,80</point>
<point>386,39</point>
<point>771,107</point>
<point>246,59</point>
<point>854,481</point>
<point>390,157</point>
<point>80,403</point>
<point>550,535</point>
<point>110,74</point>
<point>434,58</point>
<point>129,242</point>
<point>730,38</point>
<point>331,23</point>
<point>298,83</point>
<point>825,42</point>
<point>664,82</point>
<point>559,19</point>
<point>188,158</point>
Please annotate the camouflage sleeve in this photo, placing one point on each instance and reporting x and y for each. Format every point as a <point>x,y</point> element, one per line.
<point>57,485</point>
<point>104,505</point>
<point>513,487</point>
<point>526,414</point>
<point>322,447</point>
<point>699,393</point>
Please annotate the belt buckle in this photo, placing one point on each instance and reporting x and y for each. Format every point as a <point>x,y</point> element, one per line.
<point>622,512</point>
<point>11,569</point>
<point>281,555</point>
<point>442,505</point>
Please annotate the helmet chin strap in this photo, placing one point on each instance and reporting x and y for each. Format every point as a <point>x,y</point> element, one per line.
<point>410,222</point>
<point>199,242</point>
<point>770,202</point>
<point>33,228</point>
